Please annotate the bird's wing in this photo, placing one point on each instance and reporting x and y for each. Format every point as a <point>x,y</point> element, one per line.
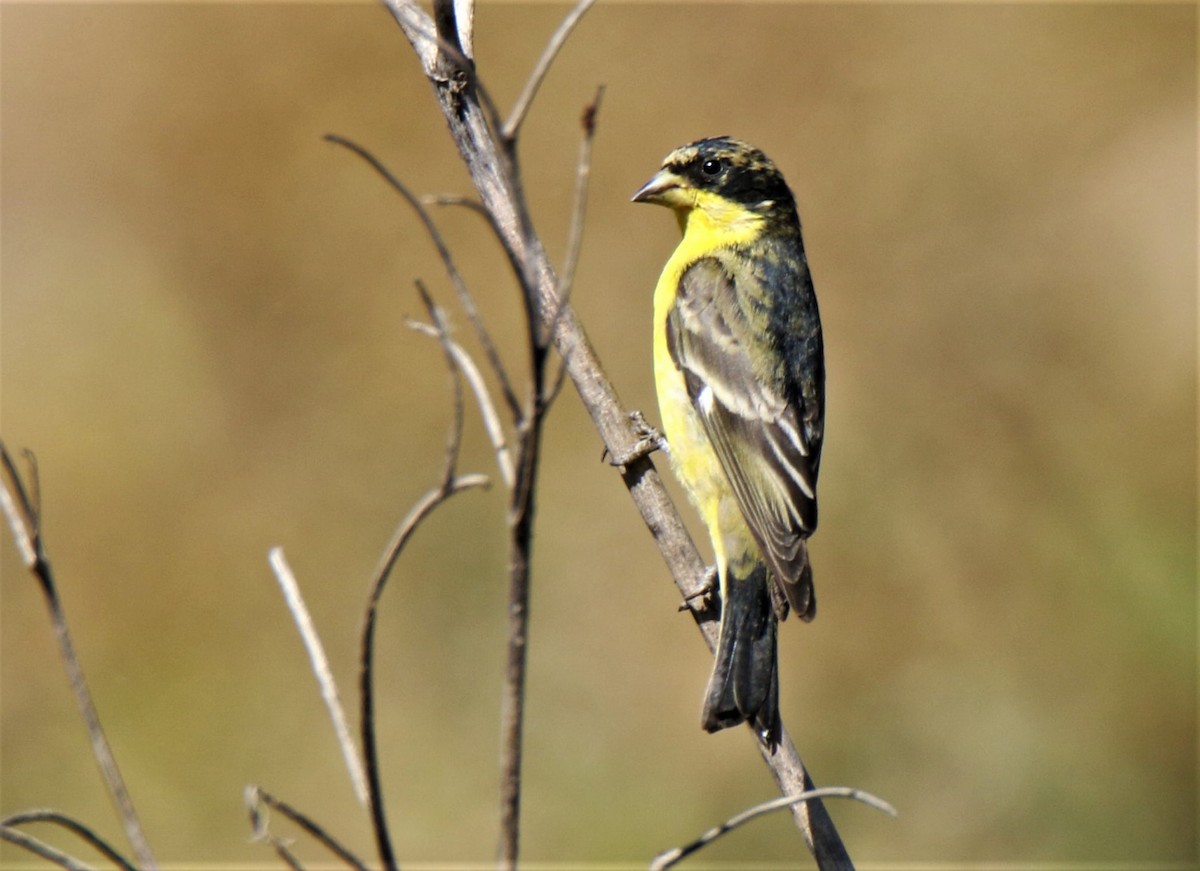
<point>718,338</point>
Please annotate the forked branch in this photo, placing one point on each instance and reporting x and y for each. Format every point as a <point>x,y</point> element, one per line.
<point>490,156</point>
<point>451,483</point>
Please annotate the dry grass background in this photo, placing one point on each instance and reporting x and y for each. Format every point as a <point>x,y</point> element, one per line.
<point>203,342</point>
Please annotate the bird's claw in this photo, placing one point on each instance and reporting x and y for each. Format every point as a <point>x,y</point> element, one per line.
<point>701,599</point>
<point>649,441</point>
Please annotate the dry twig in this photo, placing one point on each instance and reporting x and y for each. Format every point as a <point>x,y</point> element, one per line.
<point>460,288</point>
<point>24,518</point>
<point>84,832</point>
<point>320,668</point>
<point>41,848</point>
<point>258,804</point>
<point>672,857</point>
<point>511,127</point>
<point>449,486</point>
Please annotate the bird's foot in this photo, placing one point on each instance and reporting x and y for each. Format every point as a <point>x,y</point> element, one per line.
<point>703,597</point>
<point>649,441</point>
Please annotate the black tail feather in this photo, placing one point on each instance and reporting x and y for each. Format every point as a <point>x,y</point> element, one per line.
<point>745,681</point>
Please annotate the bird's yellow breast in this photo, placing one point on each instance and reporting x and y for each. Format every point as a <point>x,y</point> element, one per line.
<point>710,228</point>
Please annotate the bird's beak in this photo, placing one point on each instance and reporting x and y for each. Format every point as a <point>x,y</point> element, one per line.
<point>664,189</point>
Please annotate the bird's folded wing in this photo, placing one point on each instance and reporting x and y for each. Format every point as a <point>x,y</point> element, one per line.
<point>717,336</point>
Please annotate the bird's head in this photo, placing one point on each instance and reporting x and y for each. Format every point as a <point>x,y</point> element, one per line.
<point>723,177</point>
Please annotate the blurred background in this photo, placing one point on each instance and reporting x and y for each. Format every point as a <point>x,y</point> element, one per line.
<point>204,343</point>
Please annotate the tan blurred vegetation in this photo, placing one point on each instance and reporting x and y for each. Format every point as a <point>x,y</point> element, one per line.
<point>203,342</point>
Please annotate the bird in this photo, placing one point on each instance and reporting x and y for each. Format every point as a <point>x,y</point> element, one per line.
<point>739,366</point>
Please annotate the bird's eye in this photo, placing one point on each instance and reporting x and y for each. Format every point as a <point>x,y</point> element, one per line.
<point>712,166</point>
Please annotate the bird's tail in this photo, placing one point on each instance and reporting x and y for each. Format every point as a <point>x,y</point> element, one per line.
<point>745,680</point>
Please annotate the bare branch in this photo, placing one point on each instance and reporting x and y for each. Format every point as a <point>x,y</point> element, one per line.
<point>284,853</point>
<point>494,171</point>
<point>257,799</point>
<point>424,506</point>
<point>22,511</point>
<point>512,705</point>
<point>459,200</point>
<point>509,131</point>
<point>320,668</point>
<point>460,287</point>
<point>454,439</point>
<point>41,848</point>
<point>672,857</point>
<point>450,485</point>
<point>23,517</point>
<point>414,20</point>
<point>445,63</point>
<point>464,27</point>
<point>583,172</point>
<point>575,235</point>
<point>487,410</point>
<point>45,815</point>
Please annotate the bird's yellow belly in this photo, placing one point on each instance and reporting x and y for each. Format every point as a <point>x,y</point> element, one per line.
<point>697,467</point>
<point>692,456</point>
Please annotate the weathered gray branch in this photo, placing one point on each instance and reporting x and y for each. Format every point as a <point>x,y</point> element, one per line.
<point>490,155</point>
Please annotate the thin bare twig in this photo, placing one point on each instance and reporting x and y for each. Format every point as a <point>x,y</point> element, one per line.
<point>320,668</point>
<point>450,485</point>
<point>509,131</point>
<point>583,172</point>
<point>454,438</point>
<point>566,278</point>
<point>23,514</point>
<point>45,815</point>
<point>671,857</point>
<point>487,409</point>
<point>257,799</point>
<point>464,22</point>
<point>286,855</point>
<point>41,848</point>
<point>469,203</point>
<point>473,122</point>
<point>259,823</point>
<point>422,509</point>
<point>460,287</point>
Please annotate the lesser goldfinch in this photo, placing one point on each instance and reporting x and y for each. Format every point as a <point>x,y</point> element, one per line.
<point>739,365</point>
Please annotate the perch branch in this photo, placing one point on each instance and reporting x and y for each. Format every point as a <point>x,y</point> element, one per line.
<point>492,167</point>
